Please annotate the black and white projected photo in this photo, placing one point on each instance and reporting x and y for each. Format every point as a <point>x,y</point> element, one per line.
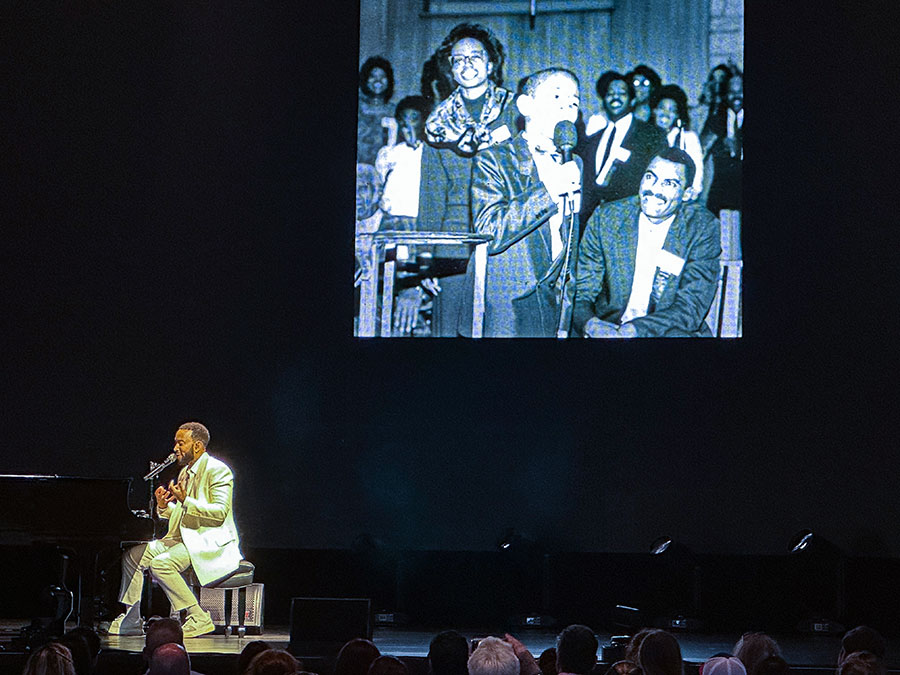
<point>552,168</point>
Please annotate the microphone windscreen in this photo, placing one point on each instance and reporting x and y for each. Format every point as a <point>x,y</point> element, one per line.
<point>564,135</point>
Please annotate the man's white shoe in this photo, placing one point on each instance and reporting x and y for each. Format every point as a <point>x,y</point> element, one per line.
<point>122,625</point>
<point>195,625</point>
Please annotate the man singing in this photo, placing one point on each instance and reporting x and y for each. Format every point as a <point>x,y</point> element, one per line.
<point>518,189</point>
<point>201,535</point>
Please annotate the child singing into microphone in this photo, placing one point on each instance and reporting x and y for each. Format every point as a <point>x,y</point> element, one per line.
<point>520,189</point>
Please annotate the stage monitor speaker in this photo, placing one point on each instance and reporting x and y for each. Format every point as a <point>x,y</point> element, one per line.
<point>213,601</point>
<point>321,626</point>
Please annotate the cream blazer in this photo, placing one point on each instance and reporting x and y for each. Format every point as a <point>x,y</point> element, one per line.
<point>204,522</point>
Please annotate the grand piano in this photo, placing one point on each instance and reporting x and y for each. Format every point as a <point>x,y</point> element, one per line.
<point>84,515</point>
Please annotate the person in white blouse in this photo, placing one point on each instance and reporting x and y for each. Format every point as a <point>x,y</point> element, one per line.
<point>670,113</point>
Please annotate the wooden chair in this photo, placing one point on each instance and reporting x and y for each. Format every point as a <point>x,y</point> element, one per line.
<point>725,315</point>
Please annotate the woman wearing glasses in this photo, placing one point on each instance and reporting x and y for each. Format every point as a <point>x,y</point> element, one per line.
<point>477,114</point>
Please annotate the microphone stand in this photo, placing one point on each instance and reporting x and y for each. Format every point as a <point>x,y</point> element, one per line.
<point>565,304</point>
<point>156,468</point>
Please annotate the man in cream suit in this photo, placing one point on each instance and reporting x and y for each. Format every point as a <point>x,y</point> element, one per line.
<point>201,535</point>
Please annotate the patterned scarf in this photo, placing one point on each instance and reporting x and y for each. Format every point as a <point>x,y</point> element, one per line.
<point>451,125</point>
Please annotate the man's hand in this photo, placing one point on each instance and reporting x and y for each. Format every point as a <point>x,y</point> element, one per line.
<point>527,663</point>
<point>163,497</point>
<point>409,300</point>
<point>627,330</point>
<point>178,489</point>
<point>597,328</point>
<point>431,285</point>
<point>561,179</point>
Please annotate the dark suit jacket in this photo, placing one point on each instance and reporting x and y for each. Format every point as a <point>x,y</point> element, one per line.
<point>643,140</point>
<point>725,187</point>
<point>606,270</point>
<point>444,190</point>
<point>510,203</point>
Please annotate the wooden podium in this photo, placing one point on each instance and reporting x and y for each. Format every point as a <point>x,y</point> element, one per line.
<point>383,248</point>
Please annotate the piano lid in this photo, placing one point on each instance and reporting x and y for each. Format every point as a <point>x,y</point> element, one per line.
<point>66,508</point>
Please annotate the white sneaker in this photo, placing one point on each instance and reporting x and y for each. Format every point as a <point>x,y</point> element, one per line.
<point>195,626</point>
<point>122,625</point>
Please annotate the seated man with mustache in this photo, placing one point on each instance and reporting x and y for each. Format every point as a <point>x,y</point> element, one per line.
<point>648,264</point>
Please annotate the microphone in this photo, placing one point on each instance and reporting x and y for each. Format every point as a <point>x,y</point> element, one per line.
<point>564,138</point>
<point>156,469</point>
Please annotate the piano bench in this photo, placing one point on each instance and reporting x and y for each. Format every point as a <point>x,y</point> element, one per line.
<point>238,581</point>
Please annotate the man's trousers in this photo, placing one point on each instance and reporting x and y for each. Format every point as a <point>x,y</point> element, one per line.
<point>166,559</point>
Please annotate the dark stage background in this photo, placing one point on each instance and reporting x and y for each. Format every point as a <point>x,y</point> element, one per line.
<point>178,182</point>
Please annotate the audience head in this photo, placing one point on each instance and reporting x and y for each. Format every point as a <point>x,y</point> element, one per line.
<point>772,665</point>
<point>861,639</point>
<point>82,657</point>
<point>547,662</point>
<point>368,191</point>
<point>645,81</point>
<point>161,631</point>
<point>246,656</point>
<point>862,663</point>
<point>273,662</point>
<point>660,653</point>
<point>355,657</point>
<point>388,665</point>
<point>576,649</point>
<point>493,657</point>
<point>548,97</point>
<point>753,648</point>
<point>52,658</point>
<point>485,54</point>
<point>170,659</point>
<point>411,113</point>
<point>617,93</point>
<point>624,667</point>
<point>448,653</point>
<point>666,184</point>
<point>669,104</point>
<point>633,648</point>
<point>724,665</point>
<point>91,638</point>
<point>376,78</point>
